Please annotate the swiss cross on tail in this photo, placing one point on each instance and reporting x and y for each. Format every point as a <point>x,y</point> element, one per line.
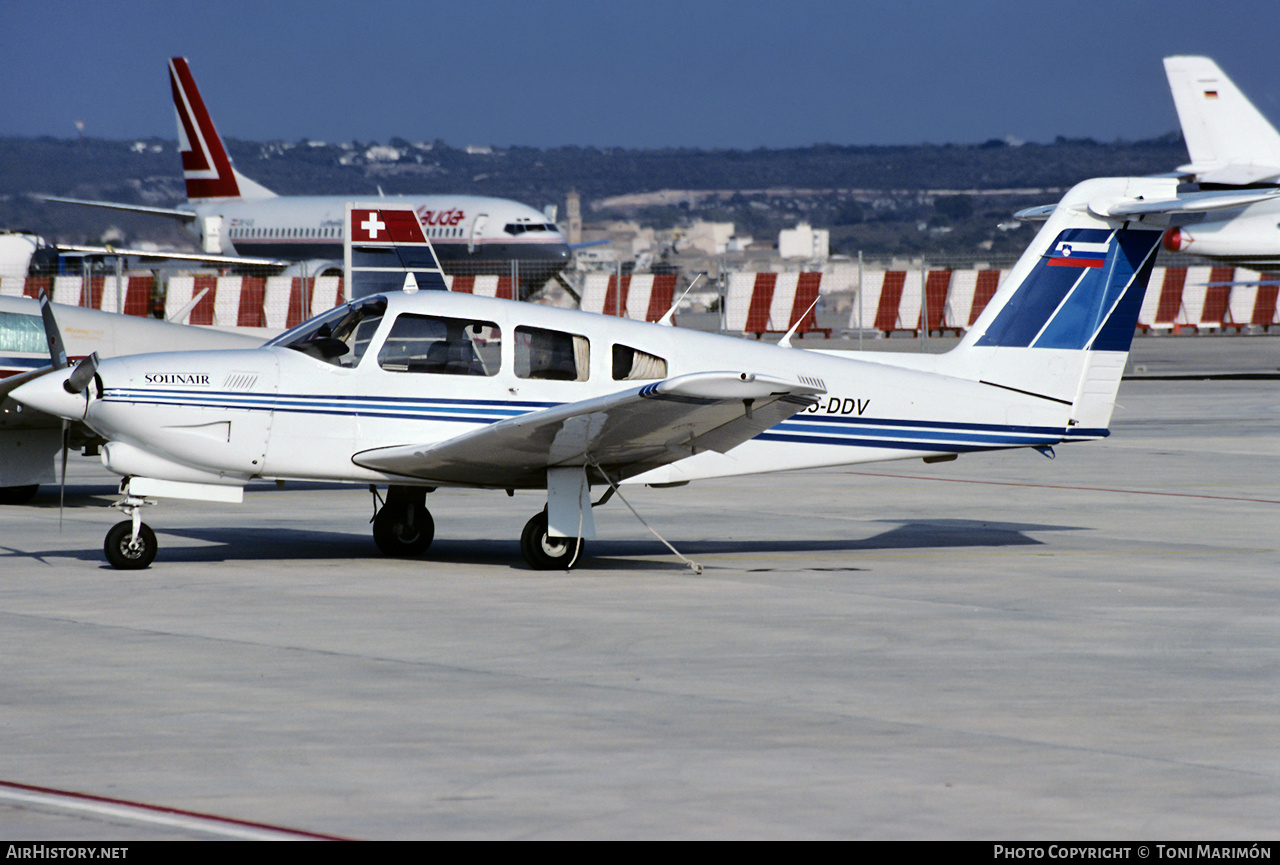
<point>386,250</point>
<point>386,226</point>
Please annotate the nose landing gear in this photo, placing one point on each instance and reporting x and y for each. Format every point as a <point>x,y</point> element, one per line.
<point>128,549</point>
<point>130,545</point>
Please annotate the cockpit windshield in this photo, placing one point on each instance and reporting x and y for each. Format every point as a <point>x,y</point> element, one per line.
<point>339,336</point>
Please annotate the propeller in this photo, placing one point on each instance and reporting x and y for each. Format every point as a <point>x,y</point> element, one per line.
<point>77,382</point>
<point>57,350</point>
<point>80,377</point>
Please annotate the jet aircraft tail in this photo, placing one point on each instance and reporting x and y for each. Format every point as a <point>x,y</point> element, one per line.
<point>1229,141</point>
<point>1060,326</point>
<point>206,167</point>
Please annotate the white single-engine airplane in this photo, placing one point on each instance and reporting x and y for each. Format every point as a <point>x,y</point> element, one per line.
<point>419,389</point>
<point>234,216</point>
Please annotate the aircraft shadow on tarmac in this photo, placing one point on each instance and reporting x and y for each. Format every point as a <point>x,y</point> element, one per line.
<point>276,543</point>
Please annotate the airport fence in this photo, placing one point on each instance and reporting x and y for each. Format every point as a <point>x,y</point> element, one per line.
<point>916,300</point>
<point>923,300</point>
<point>263,300</point>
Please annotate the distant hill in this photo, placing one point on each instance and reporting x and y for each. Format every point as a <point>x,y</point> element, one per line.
<point>878,198</point>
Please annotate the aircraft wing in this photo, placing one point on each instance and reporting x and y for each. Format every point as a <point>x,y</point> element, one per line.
<point>171,212</point>
<point>205,257</point>
<point>624,433</point>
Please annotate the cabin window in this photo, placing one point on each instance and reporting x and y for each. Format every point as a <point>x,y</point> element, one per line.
<point>339,336</point>
<point>632,364</point>
<point>550,354</point>
<point>444,346</point>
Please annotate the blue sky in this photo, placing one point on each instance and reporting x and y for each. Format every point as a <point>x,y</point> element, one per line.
<point>626,74</point>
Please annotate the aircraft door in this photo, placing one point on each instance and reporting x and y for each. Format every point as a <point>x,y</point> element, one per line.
<point>211,234</point>
<point>254,434</point>
<point>477,229</point>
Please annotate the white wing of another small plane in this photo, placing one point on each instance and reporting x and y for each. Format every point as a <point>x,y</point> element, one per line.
<point>1229,141</point>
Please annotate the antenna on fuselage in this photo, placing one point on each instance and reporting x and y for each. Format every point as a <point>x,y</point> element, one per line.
<point>668,318</point>
<point>785,342</point>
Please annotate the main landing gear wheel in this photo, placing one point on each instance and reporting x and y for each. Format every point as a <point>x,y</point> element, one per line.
<point>403,529</point>
<point>545,553</point>
<point>127,553</point>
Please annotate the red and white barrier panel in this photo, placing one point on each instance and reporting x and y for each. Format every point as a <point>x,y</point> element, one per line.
<point>103,292</point>
<point>252,301</point>
<point>891,299</point>
<point>484,286</point>
<point>228,301</point>
<point>971,291</point>
<point>1183,299</point>
<point>1178,299</point>
<point>763,303</point>
<point>642,296</point>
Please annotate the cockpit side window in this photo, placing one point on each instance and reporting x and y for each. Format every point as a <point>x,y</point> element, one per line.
<point>551,354</point>
<point>443,346</point>
<point>339,336</point>
<point>632,364</point>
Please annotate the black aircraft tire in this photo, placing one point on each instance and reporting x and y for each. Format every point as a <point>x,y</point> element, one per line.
<point>18,495</point>
<point>403,532</point>
<point>119,553</point>
<point>544,553</point>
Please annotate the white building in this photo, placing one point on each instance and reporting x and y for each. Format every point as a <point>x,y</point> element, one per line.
<point>804,241</point>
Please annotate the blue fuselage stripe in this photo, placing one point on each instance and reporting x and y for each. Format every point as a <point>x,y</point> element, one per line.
<point>840,431</point>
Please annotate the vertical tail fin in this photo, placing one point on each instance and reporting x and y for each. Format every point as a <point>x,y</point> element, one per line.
<point>384,249</point>
<point>1229,141</point>
<point>206,166</point>
<point>1060,326</point>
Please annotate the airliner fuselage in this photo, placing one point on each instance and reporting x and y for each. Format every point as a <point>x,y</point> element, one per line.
<point>483,234</point>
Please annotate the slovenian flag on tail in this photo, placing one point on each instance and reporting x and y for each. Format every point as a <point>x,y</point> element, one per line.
<point>1083,293</point>
<point>1077,253</point>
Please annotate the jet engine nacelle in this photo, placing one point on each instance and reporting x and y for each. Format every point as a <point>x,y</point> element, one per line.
<point>1225,239</point>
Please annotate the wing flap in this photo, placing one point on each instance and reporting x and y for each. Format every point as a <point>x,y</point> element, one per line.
<point>625,433</point>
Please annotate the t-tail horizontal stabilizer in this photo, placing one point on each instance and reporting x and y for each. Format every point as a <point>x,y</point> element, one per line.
<point>1061,325</point>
